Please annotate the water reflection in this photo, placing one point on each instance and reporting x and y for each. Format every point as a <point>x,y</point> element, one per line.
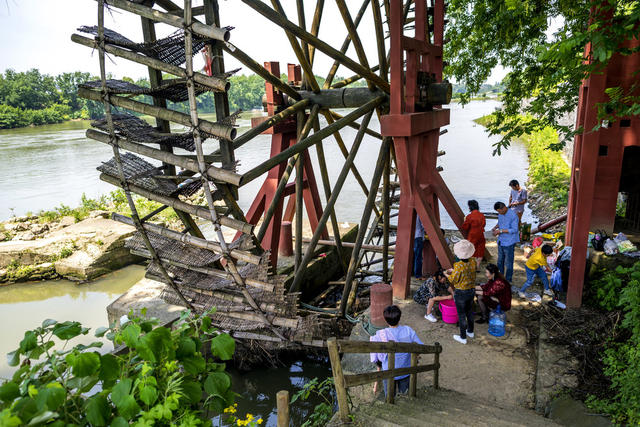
<point>24,306</point>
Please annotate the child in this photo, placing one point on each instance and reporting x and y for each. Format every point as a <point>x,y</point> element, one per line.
<point>395,333</point>
<point>536,265</point>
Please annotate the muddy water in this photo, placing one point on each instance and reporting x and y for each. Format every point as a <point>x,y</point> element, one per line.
<point>24,306</point>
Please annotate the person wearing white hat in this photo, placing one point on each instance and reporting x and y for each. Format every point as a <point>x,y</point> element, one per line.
<point>463,279</point>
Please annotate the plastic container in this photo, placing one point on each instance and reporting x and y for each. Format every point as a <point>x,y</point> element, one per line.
<point>449,311</point>
<point>497,322</point>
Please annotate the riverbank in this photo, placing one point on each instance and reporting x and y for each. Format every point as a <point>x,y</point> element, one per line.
<point>548,175</point>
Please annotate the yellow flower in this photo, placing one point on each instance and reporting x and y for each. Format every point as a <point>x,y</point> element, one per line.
<point>259,421</point>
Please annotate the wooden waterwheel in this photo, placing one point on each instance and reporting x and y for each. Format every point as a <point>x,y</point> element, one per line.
<point>238,275</point>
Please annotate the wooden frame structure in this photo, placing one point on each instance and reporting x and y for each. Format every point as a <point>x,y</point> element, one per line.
<point>234,269</point>
<point>343,382</point>
<point>597,162</point>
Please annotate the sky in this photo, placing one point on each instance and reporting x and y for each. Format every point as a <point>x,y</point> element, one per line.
<point>37,34</point>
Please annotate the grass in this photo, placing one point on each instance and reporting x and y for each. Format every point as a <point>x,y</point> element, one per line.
<point>549,174</point>
<point>115,201</point>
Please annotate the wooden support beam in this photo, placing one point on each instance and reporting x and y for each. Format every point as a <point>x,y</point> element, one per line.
<point>297,281</point>
<point>184,162</point>
<point>217,129</point>
<point>348,294</point>
<point>325,48</point>
<point>199,211</point>
<point>270,122</point>
<point>309,141</point>
<point>209,31</point>
<point>352,97</point>
<point>214,83</point>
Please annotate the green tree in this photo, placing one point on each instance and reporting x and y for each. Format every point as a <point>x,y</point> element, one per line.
<point>67,84</point>
<point>546,71</point>
<point>28,90</point>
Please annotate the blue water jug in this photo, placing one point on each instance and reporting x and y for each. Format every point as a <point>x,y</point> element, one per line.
<point>497,322</point>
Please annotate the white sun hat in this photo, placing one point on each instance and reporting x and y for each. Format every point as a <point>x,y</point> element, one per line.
<point>464,249</point>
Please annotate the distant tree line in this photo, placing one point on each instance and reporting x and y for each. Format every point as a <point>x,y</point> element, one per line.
<point>31,98</point>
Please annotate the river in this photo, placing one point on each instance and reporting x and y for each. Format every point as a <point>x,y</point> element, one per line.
<point>45,166</point>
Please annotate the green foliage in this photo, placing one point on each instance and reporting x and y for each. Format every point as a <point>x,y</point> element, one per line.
<point>549,174</point>
<point>621,289</point>
<point>156,383</point>
<point>547,69</point>
<point>323,411</point>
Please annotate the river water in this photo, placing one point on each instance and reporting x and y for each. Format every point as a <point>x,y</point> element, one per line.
<point>45,166</point>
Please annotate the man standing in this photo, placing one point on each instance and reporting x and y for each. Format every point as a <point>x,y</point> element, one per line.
<point>507,232</point>
<point>517,199</point>
<point>418,243</point>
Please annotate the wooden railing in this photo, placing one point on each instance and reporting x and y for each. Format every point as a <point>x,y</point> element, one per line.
<point>343,382</point>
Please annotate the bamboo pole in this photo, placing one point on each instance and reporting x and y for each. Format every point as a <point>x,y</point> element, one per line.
<point>310,140</point>
<point>174,203</point>
<point>221,100</point>
<point>413,378</point>
<point>217,174</point>
<point>315,27</point>
<point>270,122</point>
<point>302,22</point>
<point>284,179</point>
<point>382,51</point>
<point>355,125</point>
<point>310,79</point>
<point>190,240</point>
<point>345,46</point>
<point>254,66</point>
<point>325,48</point>
<point>344,151</point>
<point>349,80</point>
<point>212,82</point>
<point>116,155</point>
<point>372,248</point>
<point>364,222</point>
<point>324,173</point>
<point>229,265</point>
<point>216,129</point>
<point>299,187</point>
<point>353,35</point>
<point>297,281</point>
<point>209,31</point>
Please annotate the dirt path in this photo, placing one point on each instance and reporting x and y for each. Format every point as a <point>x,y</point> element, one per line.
<point>501,370</point>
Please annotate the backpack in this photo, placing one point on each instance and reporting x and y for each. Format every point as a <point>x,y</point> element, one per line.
<point>598,239</point>
<point>555,282</point>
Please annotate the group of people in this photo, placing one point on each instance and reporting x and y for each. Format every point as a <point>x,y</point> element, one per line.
<point>459,283</point>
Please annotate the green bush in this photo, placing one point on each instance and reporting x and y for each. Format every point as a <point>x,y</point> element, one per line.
<point>549,174</point>
<point>622,359</point>
<point>162,380</point>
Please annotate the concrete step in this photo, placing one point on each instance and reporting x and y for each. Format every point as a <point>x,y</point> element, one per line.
<point>445,408</point>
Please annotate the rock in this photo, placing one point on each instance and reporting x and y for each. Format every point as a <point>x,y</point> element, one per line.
<point>16,226</point>
<point>24,236</point>
<point>144,294</point>
<point>101,249</point>
<point>66,221</point>
<point>37,228</point>
<point>97,245</point>
<point>100,214</point>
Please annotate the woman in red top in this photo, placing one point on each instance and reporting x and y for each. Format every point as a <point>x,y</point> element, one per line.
<point>473,228</point>
<point>496,291</point>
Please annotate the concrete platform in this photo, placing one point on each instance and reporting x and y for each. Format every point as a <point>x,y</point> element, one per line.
<point>144,294</point>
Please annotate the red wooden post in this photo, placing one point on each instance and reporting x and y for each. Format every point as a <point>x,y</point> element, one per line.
<point>415,137</point>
